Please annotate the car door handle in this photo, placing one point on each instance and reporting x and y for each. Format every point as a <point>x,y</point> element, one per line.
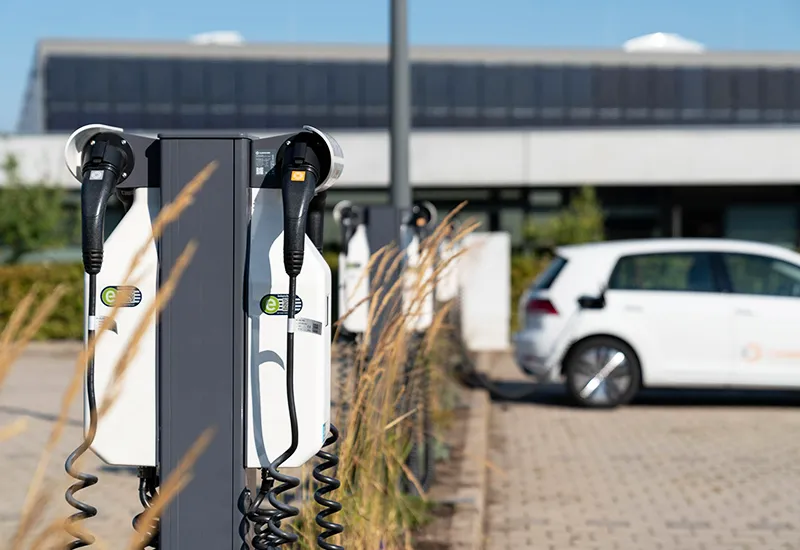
<point>744,312</point>
<point>634,309</point>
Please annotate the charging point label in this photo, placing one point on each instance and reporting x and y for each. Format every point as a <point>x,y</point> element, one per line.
<point>278,304</point>
<point>127,296</point>
<point>298,175</point>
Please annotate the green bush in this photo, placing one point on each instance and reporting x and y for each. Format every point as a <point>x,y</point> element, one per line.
<point>66,322</point>
<point>582,221</point>
<point>32,215</point>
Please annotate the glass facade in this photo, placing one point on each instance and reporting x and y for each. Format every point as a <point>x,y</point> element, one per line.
<point>160,93</point>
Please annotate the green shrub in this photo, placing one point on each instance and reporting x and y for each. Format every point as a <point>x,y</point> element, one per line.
<point>582,221</point>
<point>32,215</point>
<point>66,322</point>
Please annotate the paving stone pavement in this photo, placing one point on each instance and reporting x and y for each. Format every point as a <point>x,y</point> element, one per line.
<point>34,391</point>
<point>674,471</point>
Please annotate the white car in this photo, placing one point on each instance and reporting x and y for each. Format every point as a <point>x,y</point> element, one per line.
<point>613,317</point>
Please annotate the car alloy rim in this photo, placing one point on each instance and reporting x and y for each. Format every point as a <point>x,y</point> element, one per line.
<point>601,374</point>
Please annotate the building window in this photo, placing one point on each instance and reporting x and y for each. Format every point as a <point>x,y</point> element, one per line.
<point>465,94</point>
<point>551,86</point>
<point>720,94</point>
<point>95,99</point>
<point>252,92</point>
<point>747,84</point>
<point>285,94</point>
<point>431,83</point>
<point>375,94</point>
<point>636,94</point>
<point>693,94</point>
<point>666,94</point>
<point>495,95</point>
<point>314,96</point>
<point>579,87</point>
<point>775,94</point>
<point>608,97</point>
<point>524,95</point>
<point>794,96</point>
<point>221,96</point>
<point>159,94</point>
<point>191,94</point>
<point>345,95</point>
<point>774,224</point>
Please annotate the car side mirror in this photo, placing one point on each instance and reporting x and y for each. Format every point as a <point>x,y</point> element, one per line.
<point>592,302</point>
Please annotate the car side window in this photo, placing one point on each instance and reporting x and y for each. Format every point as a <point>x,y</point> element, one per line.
<point>761,275</point>
<point>672,271</point>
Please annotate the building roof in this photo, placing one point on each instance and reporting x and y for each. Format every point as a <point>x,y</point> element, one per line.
<point>431,54</point>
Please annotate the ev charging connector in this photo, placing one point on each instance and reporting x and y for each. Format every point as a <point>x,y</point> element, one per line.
<point>253,303</point>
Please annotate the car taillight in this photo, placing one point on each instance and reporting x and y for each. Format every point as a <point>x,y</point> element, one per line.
<point>541,307</point>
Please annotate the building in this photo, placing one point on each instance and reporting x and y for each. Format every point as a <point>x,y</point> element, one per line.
<point>677,140</point>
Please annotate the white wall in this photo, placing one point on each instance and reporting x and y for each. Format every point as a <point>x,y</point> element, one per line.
<point>485,281</point>
<point>658,156</point>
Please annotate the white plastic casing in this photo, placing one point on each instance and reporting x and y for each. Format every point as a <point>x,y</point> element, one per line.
<point>77,141</point>
<point>447,283</point>
<point>354,282</point>
<point>336,159</point>
<point>126,433</point>
<point>418,287</point>
<point>267,416</point>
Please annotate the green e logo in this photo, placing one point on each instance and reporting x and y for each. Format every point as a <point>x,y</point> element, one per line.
<point>271,305</point>
<point>108,296</point>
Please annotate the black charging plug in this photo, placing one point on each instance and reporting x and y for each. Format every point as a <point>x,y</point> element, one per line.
<point>300,173</point>
<point>106,161</point>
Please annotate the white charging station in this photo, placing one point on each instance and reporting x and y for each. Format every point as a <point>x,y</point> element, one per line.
<point>229,349</point>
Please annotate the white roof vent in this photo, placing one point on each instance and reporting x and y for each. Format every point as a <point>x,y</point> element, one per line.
<point>663,42</point>
<point>219,38</point>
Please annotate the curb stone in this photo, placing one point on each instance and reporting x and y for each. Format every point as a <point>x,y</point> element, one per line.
<point>468,521</point>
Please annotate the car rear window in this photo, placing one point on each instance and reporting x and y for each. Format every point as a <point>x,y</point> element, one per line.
<point>547,277</point>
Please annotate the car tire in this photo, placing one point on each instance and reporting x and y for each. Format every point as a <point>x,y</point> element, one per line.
<point>598,377</point>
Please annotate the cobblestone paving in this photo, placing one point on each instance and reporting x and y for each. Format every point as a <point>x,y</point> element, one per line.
<point>673,471</point>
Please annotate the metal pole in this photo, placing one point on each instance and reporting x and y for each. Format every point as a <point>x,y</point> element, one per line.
<point>401,107</point>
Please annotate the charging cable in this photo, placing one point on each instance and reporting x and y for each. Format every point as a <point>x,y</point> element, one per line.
<point>107,159</point>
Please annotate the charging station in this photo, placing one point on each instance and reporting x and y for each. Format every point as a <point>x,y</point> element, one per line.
<point>254,301</point>
<point>365,230</point>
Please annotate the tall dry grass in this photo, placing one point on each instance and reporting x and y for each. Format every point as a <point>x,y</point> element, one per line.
<point>384,411</point>
<point>377,429</point>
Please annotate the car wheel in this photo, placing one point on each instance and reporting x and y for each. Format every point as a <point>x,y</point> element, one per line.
<point>602,372</point>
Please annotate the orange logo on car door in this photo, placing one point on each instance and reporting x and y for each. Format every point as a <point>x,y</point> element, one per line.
<point>752,353</point>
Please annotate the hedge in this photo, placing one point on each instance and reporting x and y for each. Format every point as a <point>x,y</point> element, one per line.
<point>66,323</point>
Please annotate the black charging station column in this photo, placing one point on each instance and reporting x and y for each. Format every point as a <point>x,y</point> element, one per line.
<point>382,223</point>
<point>201,353</point>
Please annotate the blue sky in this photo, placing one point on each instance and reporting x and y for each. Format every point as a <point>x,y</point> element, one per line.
<point>720,24</point>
